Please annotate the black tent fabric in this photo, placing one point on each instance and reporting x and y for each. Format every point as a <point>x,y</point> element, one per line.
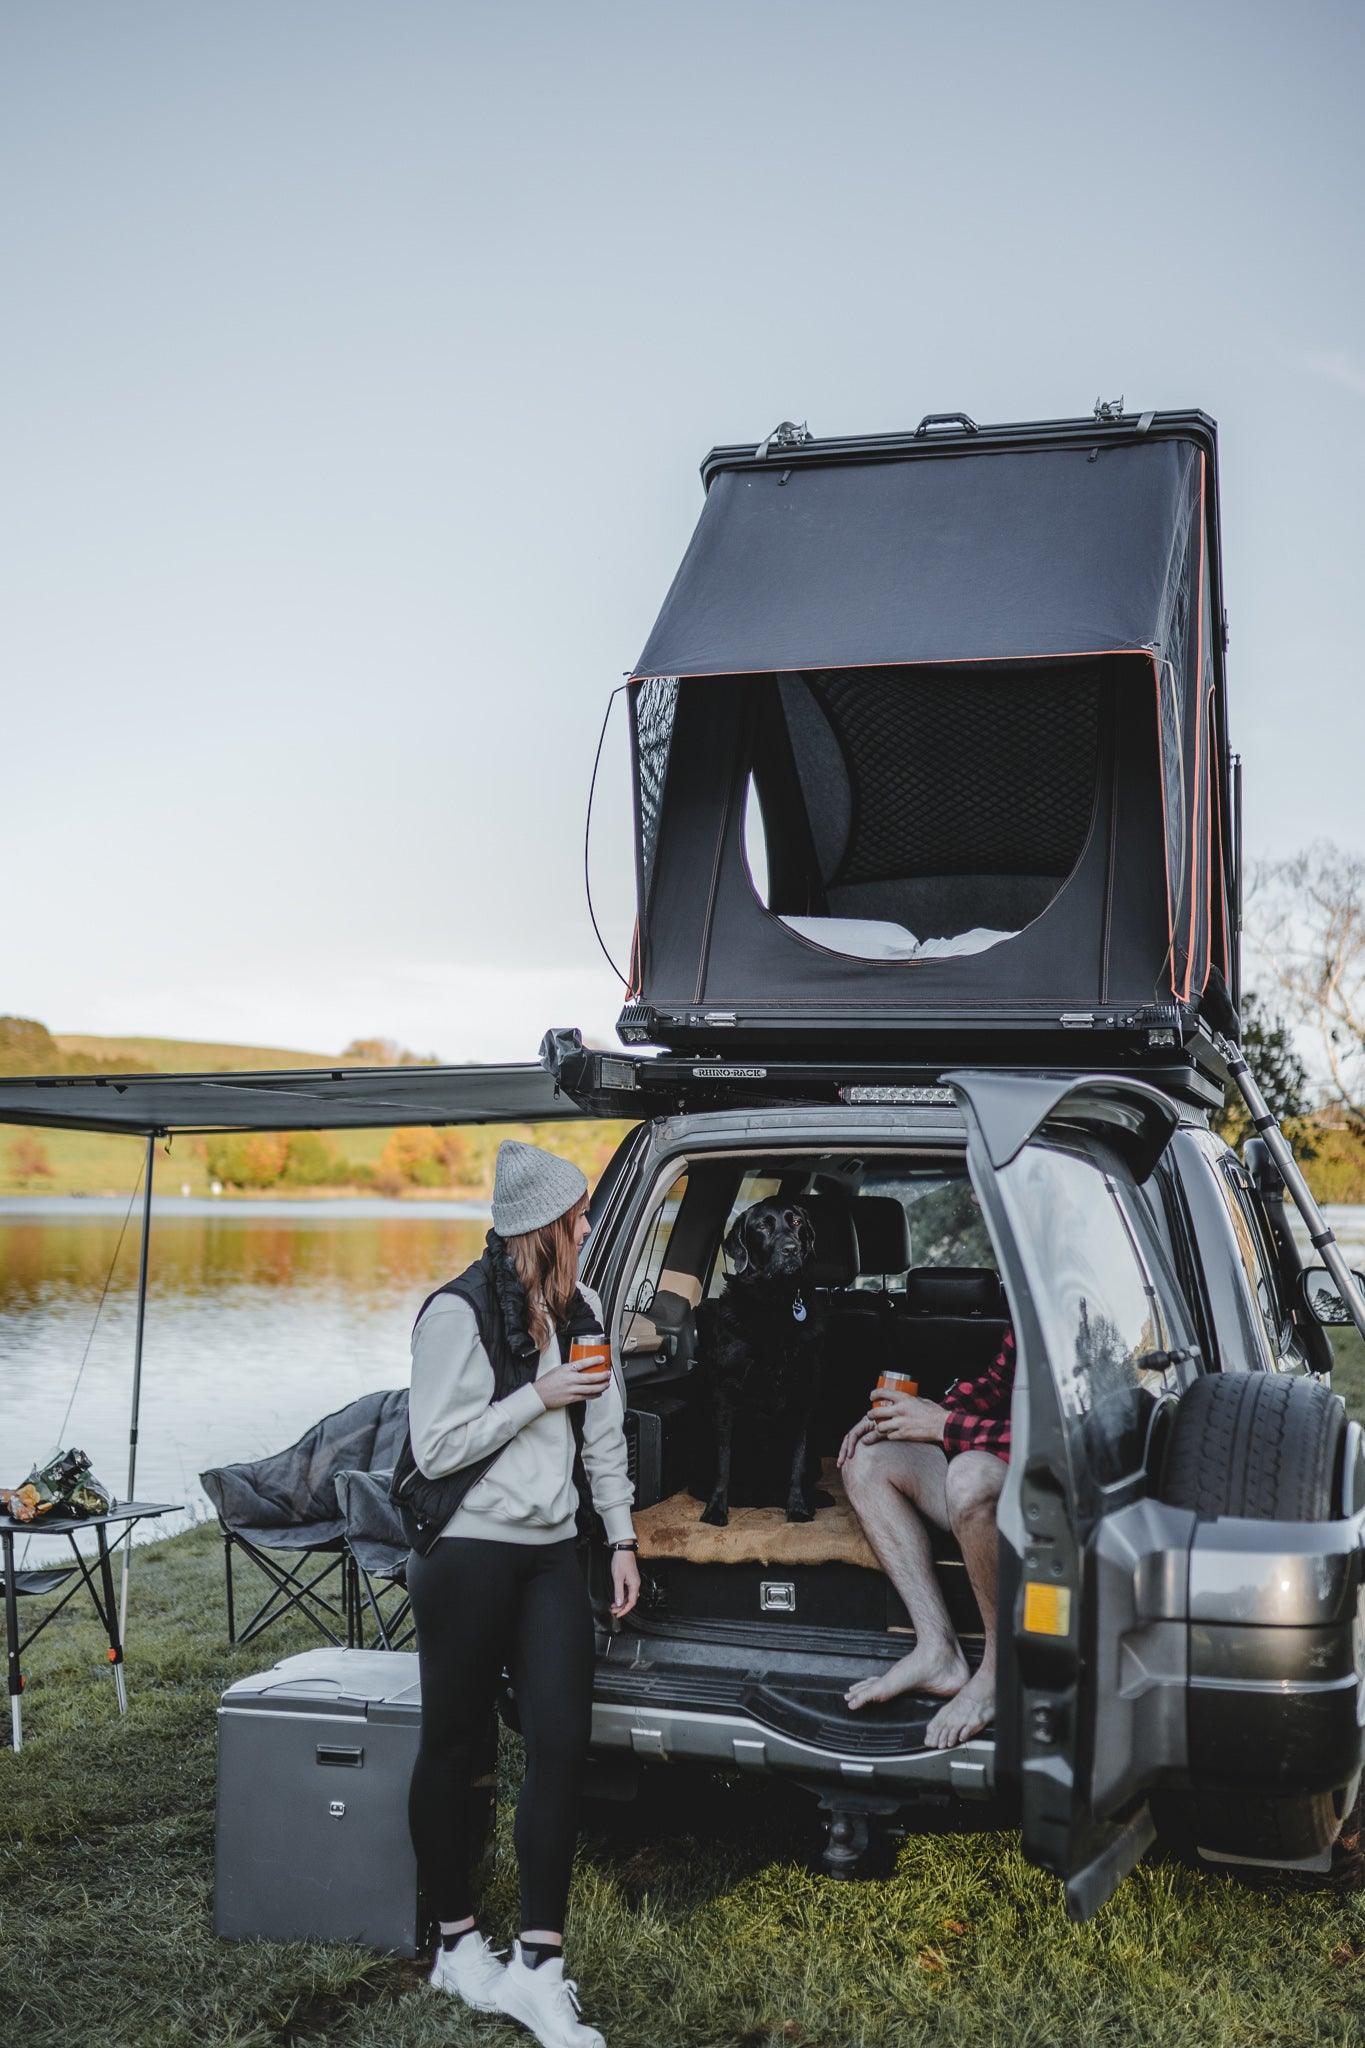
<point>309,1099</point>
<point>965,691</point>
<point>940,557</point>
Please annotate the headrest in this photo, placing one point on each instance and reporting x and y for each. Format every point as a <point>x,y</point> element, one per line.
<point>836,1247</point>
<point>954,1291</point>
<point>883,1232</point>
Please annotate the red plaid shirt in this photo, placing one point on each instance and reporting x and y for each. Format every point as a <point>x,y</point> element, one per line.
<point>978,1417</point>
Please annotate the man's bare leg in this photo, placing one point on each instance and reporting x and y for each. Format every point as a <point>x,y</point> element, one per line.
<point>892,1486</point>
<point>973,1486</point>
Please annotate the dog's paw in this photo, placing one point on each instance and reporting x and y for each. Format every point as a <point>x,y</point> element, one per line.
<point>799,1510</point>
<point>716,1511</point>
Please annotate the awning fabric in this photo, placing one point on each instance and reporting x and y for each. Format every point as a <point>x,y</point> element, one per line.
<point>314,1099</point>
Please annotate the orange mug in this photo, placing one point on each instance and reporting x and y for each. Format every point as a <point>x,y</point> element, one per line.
<point>592,1355</point>
<point>893,1383</point>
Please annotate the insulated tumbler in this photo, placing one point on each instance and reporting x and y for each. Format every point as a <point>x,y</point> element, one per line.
<point>591,1355</point>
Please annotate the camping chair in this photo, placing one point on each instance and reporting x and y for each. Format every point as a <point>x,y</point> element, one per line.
<point>283,1512</point>
<point>378,1551</point>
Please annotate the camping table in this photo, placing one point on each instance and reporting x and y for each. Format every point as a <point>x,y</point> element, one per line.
<point>95,1574</point>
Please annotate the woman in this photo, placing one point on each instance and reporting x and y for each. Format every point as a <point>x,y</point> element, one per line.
<point>503,1583</point>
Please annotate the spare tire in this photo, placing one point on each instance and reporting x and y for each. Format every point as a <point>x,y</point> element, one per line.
<point>1268,1447</point>
<point>1263,1445</point>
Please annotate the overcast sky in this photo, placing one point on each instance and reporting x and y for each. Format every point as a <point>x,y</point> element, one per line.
<point>356,363</point>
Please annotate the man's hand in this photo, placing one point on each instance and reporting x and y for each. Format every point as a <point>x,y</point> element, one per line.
<point>906,1419</point>
<point>854,1438</point>
<point>625,1581</point>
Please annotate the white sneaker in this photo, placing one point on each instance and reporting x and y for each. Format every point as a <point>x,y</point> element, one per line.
<point>470,1971</point>
<point>546,2001</point>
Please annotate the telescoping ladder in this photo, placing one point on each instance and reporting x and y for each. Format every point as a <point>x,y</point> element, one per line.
<point>1320,1233</point>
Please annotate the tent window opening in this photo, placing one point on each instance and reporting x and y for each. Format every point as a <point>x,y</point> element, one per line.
<point>899,813</point>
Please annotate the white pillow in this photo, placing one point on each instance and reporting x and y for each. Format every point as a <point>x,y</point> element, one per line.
<point>870,938</point>
<point>864,938</point>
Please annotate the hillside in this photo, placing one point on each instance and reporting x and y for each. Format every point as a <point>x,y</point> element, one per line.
<point>181,1055</point>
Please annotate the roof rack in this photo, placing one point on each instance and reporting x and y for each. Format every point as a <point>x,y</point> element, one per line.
<point>638,1084</point>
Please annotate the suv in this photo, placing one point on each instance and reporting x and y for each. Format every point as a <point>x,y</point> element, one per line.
<point>1180,1530</point>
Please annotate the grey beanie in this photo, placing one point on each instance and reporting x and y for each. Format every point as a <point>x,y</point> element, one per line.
<point>531,1188</point>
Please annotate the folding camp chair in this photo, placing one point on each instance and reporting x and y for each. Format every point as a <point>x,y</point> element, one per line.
<point>283,1512</point>
<point>378,1551</point>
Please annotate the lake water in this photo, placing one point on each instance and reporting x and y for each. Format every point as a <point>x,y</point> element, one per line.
<point>261,1317</point>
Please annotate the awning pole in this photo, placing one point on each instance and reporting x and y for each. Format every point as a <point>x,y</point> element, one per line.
<point>137,1367</point>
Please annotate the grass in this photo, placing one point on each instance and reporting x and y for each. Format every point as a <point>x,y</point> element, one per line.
<point>714,1932</point>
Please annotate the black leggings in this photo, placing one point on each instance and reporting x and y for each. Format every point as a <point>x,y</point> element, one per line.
<point>479,1605</point>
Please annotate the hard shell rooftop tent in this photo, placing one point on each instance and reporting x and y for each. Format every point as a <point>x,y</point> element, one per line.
<point>930,734</point>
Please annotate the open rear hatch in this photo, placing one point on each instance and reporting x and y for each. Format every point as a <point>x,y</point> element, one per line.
<point>930,735</point>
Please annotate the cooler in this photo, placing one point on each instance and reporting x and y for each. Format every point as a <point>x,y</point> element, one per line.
<point>314,1759</point>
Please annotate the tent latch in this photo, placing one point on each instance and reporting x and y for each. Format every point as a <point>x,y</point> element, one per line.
<point>788,434</point>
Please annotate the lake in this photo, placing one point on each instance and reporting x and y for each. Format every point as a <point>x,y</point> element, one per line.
<point>261,1317</point>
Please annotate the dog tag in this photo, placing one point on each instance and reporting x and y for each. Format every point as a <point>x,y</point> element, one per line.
<point>799,1310</point>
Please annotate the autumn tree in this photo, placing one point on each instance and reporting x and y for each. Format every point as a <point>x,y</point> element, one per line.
<point>385,1052</point>
<point>1280,1075</point>
<point>28,1160</point>
<point>1309,925</point>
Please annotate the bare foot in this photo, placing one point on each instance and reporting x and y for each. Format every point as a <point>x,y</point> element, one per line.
<point>929,1667</point>
<point>965,1715</point>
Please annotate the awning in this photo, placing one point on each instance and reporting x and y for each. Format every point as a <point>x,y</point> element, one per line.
<point>315,1099</point>
<point>1004,554</point>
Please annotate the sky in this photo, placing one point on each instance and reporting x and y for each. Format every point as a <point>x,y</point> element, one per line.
<point>357,361</point>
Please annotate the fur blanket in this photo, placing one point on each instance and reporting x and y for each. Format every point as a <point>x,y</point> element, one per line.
<point>674,1528</point>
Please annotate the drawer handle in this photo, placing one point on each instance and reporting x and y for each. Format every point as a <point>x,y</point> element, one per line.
<point>336,1753</point>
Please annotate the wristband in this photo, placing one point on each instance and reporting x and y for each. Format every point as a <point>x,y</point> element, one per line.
<point>627,1543</point>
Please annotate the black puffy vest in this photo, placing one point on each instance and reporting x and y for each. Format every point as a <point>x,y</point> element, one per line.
<point>493,1289</point>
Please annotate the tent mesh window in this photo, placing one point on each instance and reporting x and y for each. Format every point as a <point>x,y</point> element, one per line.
<point>655,703</point>
<point>936,798</point>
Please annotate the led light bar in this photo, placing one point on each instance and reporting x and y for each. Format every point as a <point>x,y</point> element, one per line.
<point>913,1095</point>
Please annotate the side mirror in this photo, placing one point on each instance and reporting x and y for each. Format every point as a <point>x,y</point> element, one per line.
<point>1320,1298</point>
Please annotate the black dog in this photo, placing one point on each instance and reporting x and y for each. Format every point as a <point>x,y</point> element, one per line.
<point>759,1354</point>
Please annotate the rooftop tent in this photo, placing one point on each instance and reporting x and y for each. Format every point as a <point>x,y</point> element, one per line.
<point>931,731</point>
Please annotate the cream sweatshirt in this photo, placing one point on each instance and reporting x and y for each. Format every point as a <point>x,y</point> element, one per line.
<point>528,1496</point>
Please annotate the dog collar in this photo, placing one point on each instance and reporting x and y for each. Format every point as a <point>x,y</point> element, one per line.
<point>798,1308</point>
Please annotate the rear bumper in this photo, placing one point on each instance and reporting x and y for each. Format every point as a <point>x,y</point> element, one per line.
<point>1229,1654</point>
<point>653,1733</point>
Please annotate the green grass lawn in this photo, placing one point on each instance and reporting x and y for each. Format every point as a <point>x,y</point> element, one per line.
<point>713,1934</point>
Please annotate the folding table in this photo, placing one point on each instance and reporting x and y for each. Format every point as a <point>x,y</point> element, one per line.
<point>95,1574</point>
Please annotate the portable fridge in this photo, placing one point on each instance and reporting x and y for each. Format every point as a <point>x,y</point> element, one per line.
<point>314,1758</point>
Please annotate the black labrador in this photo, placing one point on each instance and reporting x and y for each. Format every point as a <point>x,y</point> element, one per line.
<point>759,1353</point>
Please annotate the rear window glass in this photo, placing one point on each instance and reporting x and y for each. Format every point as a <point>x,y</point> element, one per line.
<point>947,1227</point>
<point>1109,1313</point>
<point>637,1329</point>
